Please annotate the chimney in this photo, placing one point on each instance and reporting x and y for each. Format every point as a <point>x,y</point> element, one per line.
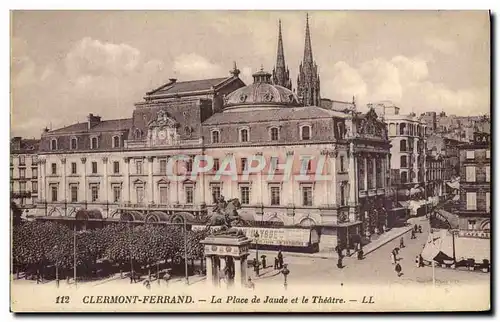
<point>16,143</point>
<point>93,120</point>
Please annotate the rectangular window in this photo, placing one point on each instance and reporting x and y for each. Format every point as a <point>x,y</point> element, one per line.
<point>53,167</point>
<point>469,154</point>
<point>95,193</point>
<point>163,166</point>
<point>487,170</point>
<point>343,194</point>
<point>189,195</point>
<point>361,174</point>
<point>54,193</point>
<point>140,194</point>
<point>307,196</point>
<point>73,167</point>
<point>378,173</point>
<point>342,165</point>
<point>34,173</point>
<point>245,195</point>
<point>369,170</point>
<point>94,167</point>
<point>117,193</point>
<point>471,225</point>
<point>488,154</point>
<point>22,173</point>
<point>471,201</point>
<point>470,174</point>
<point>215,193</point>
<point>488,206</point>
<point>216,164</point>
<point>138,166</point>
<point>74,193</point>
<point>275,196</point>
<point>163,195</point>
<point>189,165</point>
<point>116,167</point>
<point>244,165</point>
<point>22,160</point>
<point>34,187</point>
<point>22,186</point>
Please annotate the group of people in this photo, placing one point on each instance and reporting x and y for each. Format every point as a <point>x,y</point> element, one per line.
<point>416,229</point>
<point>395,252</point>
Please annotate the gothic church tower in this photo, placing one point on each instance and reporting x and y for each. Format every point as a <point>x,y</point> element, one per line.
<point>281,74</point>
<point>308,84</point>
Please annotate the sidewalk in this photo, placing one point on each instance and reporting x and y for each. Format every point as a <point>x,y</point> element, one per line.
<point>375,244</point>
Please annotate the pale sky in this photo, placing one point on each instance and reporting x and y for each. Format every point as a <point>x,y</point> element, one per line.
<point>66,64</point>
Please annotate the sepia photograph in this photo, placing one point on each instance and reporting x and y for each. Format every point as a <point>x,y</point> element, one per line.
<point>250,161</point>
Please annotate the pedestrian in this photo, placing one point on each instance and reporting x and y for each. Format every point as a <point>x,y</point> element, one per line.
<point>338,250</point>
<point>250,284</point>
<point>263,261</point>
<point>339,263</point>
<point>415,228</point>
<point>420,261</point>
<point>360,254</point>
<point>280,259</point>
<point>276,263</point>
<point>393,258</point>
<point>398,269</point>
<point>419,228</point>
<point>256,267</point>
<point>417,261</point>
<point>401,243</point>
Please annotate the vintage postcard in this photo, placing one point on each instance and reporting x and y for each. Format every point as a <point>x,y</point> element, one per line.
<point>250,161</point>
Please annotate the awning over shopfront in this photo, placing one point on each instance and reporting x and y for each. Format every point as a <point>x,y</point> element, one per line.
<point>439,247</point>
<point>86,214</point>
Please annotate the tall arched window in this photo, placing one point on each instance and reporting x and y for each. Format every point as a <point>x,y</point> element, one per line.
<point>404,161</point>
<point>116,141</point>
<point>306,132</point>
<point>215,137</point>
<point>244,135</point>
<point>274,134</point>
<point>402,145</point>
<point>402,128</point>
<point>392,129</point>
<point>74,143</point>
<point>94,143</point>
<point>53,144</point>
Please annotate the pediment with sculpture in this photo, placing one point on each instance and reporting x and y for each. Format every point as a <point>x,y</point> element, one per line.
<point>162,130</point>
<point>371,126</point>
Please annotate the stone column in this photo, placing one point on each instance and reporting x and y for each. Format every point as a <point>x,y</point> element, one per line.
<point>63,179</point>
<point>238,276</point>
<point>365,174</point>
<point>151,196</point>
<point>210,277</point>
<point>126,196</point>
<point>352,176</point>
<point>374,175</point>
<point>105,178</point>
<point>84,178</point>
<point>333,163</point>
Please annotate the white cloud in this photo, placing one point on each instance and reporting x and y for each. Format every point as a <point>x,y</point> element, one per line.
<point>194,66</point>
<point>403,80</point>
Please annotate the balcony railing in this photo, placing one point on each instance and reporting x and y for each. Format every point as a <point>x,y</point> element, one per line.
<point>20,194</point>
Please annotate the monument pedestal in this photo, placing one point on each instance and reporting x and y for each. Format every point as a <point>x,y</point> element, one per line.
<point>226,256</point>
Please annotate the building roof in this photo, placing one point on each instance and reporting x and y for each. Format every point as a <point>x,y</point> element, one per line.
<point>174,87</point>
<point>275,114</point>
<point>103,126</point>
<point>25,145</point>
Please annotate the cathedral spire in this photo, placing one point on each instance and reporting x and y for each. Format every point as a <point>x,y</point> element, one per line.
<point>308,82</point>
<point>308,55</point>
<point>281,74</point>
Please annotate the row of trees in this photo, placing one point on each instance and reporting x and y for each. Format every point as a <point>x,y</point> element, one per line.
<point>39,245</point>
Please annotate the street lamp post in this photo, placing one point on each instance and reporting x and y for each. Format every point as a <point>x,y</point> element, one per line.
<point>256,235</point>
<point>285,271</point>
